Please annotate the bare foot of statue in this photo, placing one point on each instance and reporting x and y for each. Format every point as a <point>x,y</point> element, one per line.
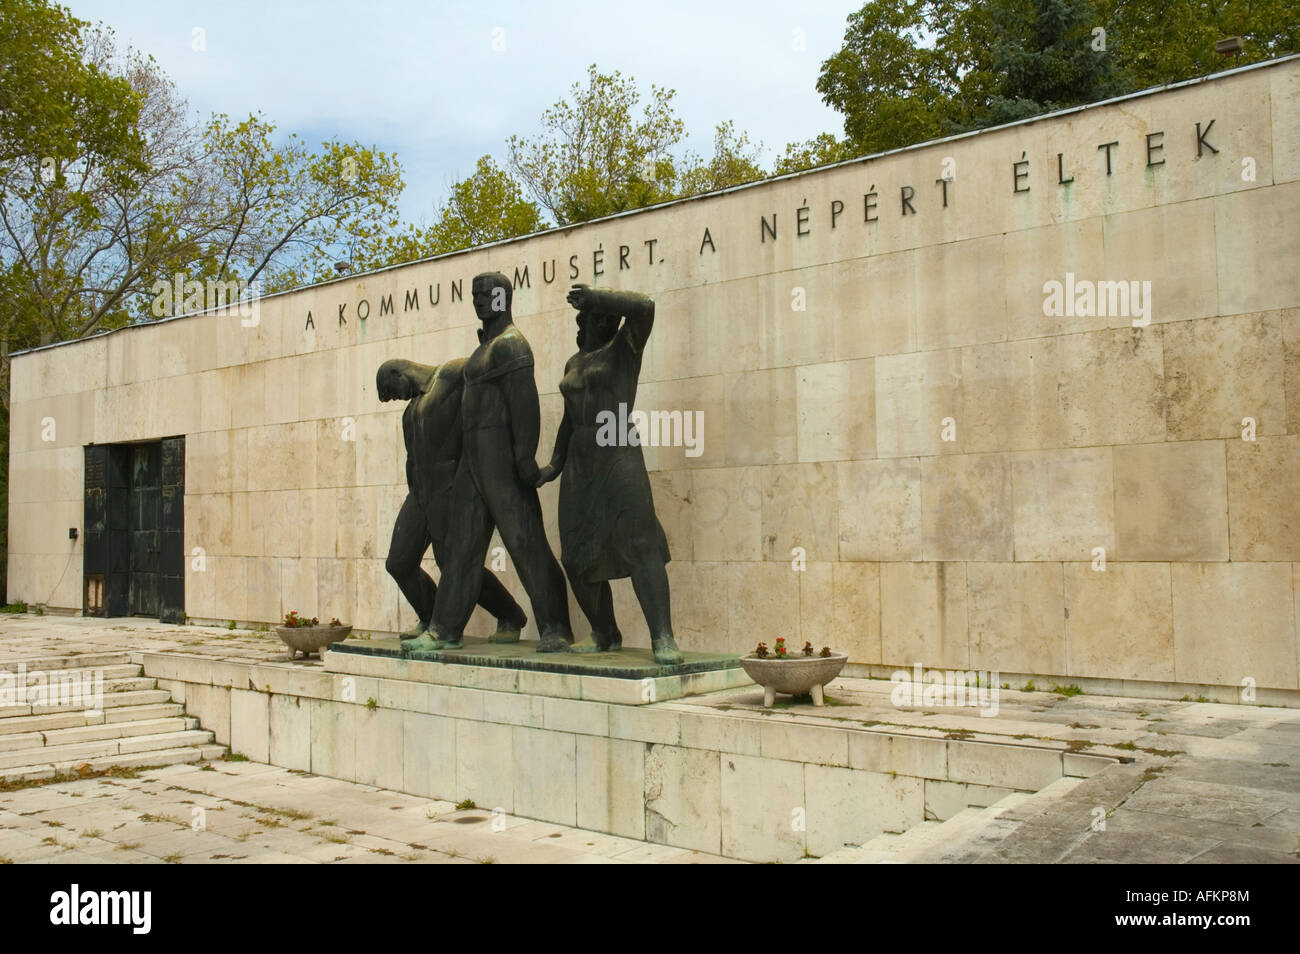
<point>508,630</point>
<point>600,643</point>
<point>553,641</point>
<point>422,643</point>
<point>416,631</point>
<point>666,651</point>
<point>441,643</point>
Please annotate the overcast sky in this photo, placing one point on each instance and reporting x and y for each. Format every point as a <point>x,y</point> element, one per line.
<point>423,80</point>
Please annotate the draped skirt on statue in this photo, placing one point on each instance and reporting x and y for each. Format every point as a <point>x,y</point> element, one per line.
<point>607,515</point>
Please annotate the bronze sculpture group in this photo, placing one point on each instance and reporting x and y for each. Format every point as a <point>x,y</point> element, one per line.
<point>471,428</point>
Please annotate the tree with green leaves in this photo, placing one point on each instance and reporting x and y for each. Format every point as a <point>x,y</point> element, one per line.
<point>68,136</point>
<point>56,102</point>
<point>488,206</point>
<point>1155,44</point>
<point>80,235</point>
<point>109,186</point>
<point>596,155</point>
<point>594,158</point>
<point>89,228</point>
<point>909,70</point>
<point>1048,57</point>
<point>734,162</point>
<point>821,150</point>
<point>288,213</point>
<point>912,71</point>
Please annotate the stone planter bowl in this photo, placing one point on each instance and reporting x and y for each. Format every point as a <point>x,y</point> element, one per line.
<point>794,675</point>
<point>311,639</point>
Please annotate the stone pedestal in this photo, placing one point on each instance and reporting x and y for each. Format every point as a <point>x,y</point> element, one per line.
<point>628,677</point>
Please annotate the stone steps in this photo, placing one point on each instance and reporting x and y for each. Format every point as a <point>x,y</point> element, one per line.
<point>67,677</point>
<point>963,838</point>
<point>121,671</point>
<point>78,661</point>
<point>122,685</point>
<point>130,684</point>
<point>1002,821</point>
<point>882,849</point>
<point>923,842</point>
<point>119,730</point>
<point>151,759</point>
<point>95,733</point>
<point>26,725</point>
<point>112,700</point>
<point>126,682</point>
<point>986,827</point>
<point>150,710</point>
<point>85,751</point>
<point>137,725</point>
<point>897,849</point>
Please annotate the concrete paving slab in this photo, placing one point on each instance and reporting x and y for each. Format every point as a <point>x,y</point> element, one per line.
<point>1228,853</point>
<point>1127,847</point>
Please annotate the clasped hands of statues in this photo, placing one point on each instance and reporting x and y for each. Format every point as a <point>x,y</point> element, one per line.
<point>582,298</point>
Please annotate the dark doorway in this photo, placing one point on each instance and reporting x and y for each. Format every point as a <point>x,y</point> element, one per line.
<point>134,561</point>
<point>144,515</point>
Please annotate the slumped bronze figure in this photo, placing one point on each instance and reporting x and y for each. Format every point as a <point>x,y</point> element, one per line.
<point>431,431</point>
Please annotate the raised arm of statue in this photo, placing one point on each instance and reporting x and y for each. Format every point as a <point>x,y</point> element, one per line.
<point>638,309</point>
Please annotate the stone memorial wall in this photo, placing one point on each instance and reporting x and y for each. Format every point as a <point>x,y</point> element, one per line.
<point>1026,400</point>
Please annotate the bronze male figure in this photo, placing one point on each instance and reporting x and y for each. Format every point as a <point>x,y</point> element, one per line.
<point>495,482</point>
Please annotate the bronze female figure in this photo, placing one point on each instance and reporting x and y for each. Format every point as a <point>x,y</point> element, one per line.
<point>608,527</point>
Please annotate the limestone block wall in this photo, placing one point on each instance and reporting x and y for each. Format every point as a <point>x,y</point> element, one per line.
<point>667,773</point>
<point>904,454</point>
